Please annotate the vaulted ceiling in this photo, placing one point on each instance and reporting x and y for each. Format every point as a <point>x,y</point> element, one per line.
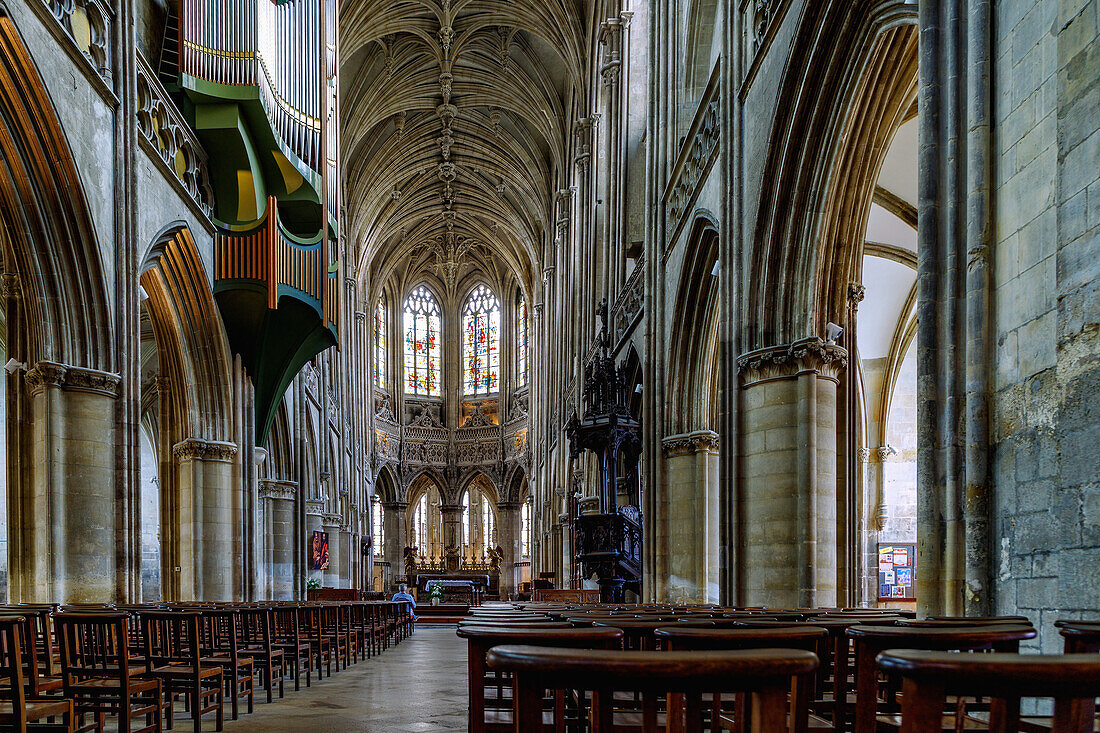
<point>456,125</point>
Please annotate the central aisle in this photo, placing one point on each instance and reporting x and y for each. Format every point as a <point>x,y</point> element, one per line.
<point>418,685</point>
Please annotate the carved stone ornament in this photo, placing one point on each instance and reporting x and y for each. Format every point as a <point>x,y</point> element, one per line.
<point>426,419</point>
<point>212,450</point>
<point>9,286</point>
<point>477,419</point>
<point>864,455</point>
<point>45,373</point>
<point>275,489</point>
<point>790,360</point>
<point>92,380</point>
<point>385,409</point>
<point>688,444</point>
<point>331,521</point>
<point>315,507</point>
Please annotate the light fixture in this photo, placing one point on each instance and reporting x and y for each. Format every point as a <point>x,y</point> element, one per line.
<point>832,332</point>
<point>716,269</point>
<point>638,389</point>
<point>13,366</point>
<point>142,295</point>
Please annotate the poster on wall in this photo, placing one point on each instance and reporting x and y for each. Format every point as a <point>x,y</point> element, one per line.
<point>319,553</point>
<point>896,566</point>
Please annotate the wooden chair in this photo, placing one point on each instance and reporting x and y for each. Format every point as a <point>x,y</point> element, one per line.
<point>807,638</point>
<point>287,636</point>
<point>869,641</point>
<point>97,674</point>
<point>1072,680</point>
<point>174,656</point>
<point>18,709</point>
<point>320,645</point>
<point>255,642</point>
<point>220,646</point>
<point>766,674</point>
<point>333,628</point>
<point>483,638</point>
<point>1081,637</point>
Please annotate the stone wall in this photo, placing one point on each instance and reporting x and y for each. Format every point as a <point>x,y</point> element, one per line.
<point>1046,419</point>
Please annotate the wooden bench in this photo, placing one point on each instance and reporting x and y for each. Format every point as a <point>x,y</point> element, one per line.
<point>764,674</point>
<point>1072,680</point>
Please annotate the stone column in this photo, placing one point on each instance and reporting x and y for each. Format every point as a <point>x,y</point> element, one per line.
<point>352,560</point>
<point>64,524</point>
<point>691,544</point>
<point>331,524</point>
<point>394,539</point>
<point>788,468</point>
<point>315,509</point>
<point>508,539</point>
<point>277,498</point>
<point>208,532</point>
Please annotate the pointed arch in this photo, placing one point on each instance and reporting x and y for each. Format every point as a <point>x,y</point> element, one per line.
<point>48,223</point>
<point>422,324</point>
<point>850,82</point>
<point>480,341</point>
<point>693,379</point>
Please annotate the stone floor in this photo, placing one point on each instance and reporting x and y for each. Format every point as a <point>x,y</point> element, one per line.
<point>419,685</point>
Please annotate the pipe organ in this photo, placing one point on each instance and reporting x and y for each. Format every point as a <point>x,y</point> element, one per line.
<point>257,80</point>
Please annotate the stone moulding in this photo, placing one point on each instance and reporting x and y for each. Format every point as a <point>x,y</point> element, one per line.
<point>276,489</point>
<point>689,444</point>
<point>315,507</point>
<point>790,360</point>
<point>696,157</point>
<point>205,450</point>
<point>72,379</point>
<point>170,142</point>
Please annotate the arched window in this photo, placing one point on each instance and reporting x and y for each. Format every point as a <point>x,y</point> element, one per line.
<point>380,344</point>
<point>422,344</point>
<point>525,529</point>
<point>376,521</point>
<point>467,537</point>
<point>420,525</point>
<point>481,355</point>
<point>521,341</point>
<point>488,529</point>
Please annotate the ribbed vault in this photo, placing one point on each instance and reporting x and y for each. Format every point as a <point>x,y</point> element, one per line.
<point>456,120</point>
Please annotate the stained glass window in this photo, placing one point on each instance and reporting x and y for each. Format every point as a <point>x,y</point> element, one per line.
<point>420,526</point>
<point>521,341</point>
<point>467,537</point>
<point>376,519</point>
<point>525,529</point>
<point>481,353</point>
<point>487,528</point>
<point>422,344</point>
<point>380,344</point>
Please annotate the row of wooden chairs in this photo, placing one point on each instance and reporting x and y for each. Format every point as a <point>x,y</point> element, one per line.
<point>629,668</point>
<point>77,665</point>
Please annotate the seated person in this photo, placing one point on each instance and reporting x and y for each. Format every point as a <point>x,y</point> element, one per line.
<point>402,594</point>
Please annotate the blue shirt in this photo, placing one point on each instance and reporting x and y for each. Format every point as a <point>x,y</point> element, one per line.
<point>405,597</point>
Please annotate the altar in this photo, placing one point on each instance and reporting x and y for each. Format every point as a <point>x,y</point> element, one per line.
<point>457,587</point>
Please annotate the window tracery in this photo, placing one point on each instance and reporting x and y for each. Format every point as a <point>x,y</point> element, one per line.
<point>380,344</point>
<point>521,341</point>
<point>422,344</point>
<point>481,351</point>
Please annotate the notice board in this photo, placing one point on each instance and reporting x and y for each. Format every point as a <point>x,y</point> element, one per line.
<point>897,568</point>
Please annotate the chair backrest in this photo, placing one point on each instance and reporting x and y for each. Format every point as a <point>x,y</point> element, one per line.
<point>93,645</point>
<point>1072,680</point>
<point>1081,637</point>
<point>765,673</point>
<point>12,677</point>
<point>219,630</point>
<point>171,637</point>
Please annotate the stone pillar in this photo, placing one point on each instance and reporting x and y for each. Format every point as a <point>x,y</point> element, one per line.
<point>331,524</point>
<point>277,499</point>
<point>315,508</point>
<point>691,542</point>
<point>352,560</point>
<point>789,473</point>
<point>208,530</point>
<point>64,524</point>
<point>394,539</point>
<point>508,539</point>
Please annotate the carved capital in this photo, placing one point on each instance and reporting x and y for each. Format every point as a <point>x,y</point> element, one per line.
<point>315,507</point>
<point>196,449</point>
<point>790,360</point>
<point>275,489</point>
<point>45,374</point>
<point>92,380</point>
<point>688,444</point>
<point>331,521</point>
<point>864,455</point>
